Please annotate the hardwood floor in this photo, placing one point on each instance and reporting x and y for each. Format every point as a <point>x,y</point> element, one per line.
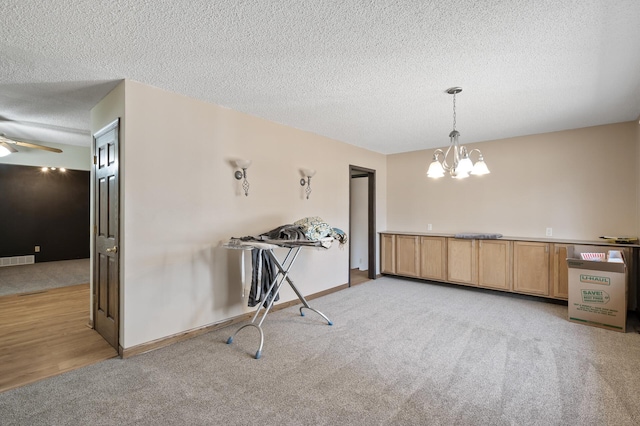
<point>46,333</point>
<point>358,276</point>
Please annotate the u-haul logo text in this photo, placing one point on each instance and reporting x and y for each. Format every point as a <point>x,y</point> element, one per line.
<point>594,279</point>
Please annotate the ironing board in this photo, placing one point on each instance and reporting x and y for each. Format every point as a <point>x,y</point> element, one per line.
<point>282,275</point>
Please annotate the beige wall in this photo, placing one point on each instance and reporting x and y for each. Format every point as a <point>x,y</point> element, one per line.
<point>181,201</point>
<point>581,183</point>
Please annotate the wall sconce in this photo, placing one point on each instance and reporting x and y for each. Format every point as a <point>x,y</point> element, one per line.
<point>244,165</point>
<point>308,173</point>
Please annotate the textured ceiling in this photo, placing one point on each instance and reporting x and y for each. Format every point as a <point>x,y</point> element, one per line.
<point>369,73</point>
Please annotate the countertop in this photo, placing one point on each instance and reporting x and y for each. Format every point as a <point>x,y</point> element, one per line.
<point>532,239</point>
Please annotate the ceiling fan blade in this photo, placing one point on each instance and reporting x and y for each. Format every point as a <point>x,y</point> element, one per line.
<point>8,146</point>
<point>8,142</point>
<point>36,146</point>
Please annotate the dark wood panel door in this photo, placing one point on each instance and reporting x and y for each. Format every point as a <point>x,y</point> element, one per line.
<point>106,275</point>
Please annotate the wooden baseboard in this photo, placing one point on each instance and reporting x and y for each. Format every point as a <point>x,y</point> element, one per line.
<point>179,337</point>
<point>325,292</point>
<point>175,338</point>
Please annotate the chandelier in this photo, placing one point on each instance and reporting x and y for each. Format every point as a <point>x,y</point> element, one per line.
<point>460,165</point>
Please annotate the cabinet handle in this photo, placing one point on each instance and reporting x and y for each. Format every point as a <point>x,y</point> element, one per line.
<point>546,248</point>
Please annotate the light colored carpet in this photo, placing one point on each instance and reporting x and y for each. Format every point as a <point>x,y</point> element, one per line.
<point>43,276</point>
<point>400,352</point>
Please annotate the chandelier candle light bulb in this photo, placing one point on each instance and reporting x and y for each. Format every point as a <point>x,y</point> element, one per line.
<point>460,165</point>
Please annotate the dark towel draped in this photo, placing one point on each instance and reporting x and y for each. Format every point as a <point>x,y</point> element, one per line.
<point>264,272</point>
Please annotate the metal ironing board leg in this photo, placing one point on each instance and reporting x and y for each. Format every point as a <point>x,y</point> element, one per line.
<point>283,272</point>
<point>269,305</point>
<point>295,289</point>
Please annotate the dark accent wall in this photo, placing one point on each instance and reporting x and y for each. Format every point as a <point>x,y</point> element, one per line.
<point>47,209</point>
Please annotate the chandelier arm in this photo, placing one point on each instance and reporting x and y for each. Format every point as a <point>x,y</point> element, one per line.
<point>446,165</point>
<point>480,157</point>
<point>455,144</point>
<point>456,156</point>
<point>476,150</point>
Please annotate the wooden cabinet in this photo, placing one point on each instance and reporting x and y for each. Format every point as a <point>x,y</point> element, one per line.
<point>531,267</point>
<point>462,261</point>
<point>414,256</point>
<point>408,255</point>
<point>527,267</point>
<point>388,254</point>
<point>494,264</point>
<point>433,258</point>
<point>559,272</point>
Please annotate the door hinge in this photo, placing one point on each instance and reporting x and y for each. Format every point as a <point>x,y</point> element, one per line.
<point>95,229</point>
<point>95,159</point>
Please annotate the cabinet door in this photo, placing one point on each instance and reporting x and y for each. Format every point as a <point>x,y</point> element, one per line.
<point>408,255</point>
<point>388,254</point>
<point>462,261</point>
<point>433,258</point>
<point>560,272</point>
<point>531,268</point>
<point>494,264</point>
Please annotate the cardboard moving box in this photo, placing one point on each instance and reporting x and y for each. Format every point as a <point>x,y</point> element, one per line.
<point>597,290</point>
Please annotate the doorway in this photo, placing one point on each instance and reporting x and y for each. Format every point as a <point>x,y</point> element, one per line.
<point>46,311</point>
<point>362,228</point>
